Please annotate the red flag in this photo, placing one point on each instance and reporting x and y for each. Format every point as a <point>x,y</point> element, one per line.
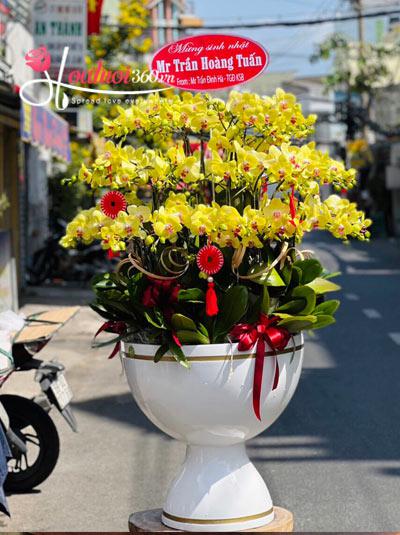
<point>93,16</point>
<point>5,7</point>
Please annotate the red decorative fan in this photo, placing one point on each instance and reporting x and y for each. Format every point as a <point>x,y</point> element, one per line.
<point>112,203</point>
<point>210,260</point>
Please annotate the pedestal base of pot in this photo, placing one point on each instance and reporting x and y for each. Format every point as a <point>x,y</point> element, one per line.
<point>217,489</point>
<point>150,521</point>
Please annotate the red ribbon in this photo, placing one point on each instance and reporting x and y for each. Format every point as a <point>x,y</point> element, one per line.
<point>117,327</point>
<point>162,294</point>
<point>265,331</point>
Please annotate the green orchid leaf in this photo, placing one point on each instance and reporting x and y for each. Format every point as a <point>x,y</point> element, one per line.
<point>153,321</point>
<point>203,330</point>
<point>283,315</point>
<point>265,303</point>
<point>232,308</point>
<point>160,352</point>
<point>135,287</point>
<point>102,283</point>
<point>254,307</point>
<point>192,295</point>
<point>327,307</point>
<point>181,322</point>
<point>270,278</point>
<point>295,279</point>
<point>308,295</point>
<point>286,273</point>
<point>326,275</point>
<point>323,320</point>
<point>192,337</point>
<point>294,306</point>
<point>103,313</point>
<point>297,323</point>
<point>310,268</point>
<point>178,354</point>
<point>321,286</point>
<point>274,279</point>
<point>160,318</point>
<point>124,310</point>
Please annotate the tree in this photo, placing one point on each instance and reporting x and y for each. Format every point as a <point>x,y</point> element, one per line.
<point>359,69</point>
<point>117,46</point>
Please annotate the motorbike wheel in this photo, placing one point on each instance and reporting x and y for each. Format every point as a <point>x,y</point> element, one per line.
<point>36,429</point>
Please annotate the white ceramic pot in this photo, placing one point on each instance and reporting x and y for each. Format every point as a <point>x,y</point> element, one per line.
<point>209,407</point>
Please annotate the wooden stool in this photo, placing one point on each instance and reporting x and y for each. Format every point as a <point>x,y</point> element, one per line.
<point>150,521</point>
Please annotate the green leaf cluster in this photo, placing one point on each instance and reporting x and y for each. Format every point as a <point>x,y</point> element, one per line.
<point>295,292</point>
<point>303,306</point>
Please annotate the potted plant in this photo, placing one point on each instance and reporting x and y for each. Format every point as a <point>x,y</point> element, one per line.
<point>212,293</point>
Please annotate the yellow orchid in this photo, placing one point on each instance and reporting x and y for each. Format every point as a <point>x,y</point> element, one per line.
<point>166,225</point>
<point>188,170</point>
<point>346,220</point>
<point>226,159</point>
<point>222,170</point>
<point>110,240</point>
<point>203,219</point>
<point>277,216</point>
<point>219,142</point>
<point>177,204</point>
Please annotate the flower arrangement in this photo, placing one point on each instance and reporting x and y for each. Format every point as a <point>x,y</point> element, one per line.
<point>208,221</point>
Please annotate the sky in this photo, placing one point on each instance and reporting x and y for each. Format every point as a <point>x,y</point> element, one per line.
<point>289,48</point>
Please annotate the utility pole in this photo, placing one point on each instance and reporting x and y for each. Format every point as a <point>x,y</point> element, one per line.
<point>358,7</point>
<point>360,21</point>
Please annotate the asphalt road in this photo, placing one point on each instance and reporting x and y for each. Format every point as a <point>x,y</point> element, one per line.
<point>333,458</point>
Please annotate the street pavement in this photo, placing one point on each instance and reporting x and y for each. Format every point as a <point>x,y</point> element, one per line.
<point>333,458</point>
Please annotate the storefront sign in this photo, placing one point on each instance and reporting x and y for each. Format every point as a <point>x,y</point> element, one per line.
<point>41,126</point>
<point>209,62</point>
<point>58,24</point>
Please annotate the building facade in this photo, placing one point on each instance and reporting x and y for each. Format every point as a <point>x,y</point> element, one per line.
<point>166,15</point>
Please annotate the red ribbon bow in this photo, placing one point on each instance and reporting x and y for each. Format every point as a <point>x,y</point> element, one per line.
<point>117,327</point>
<point>161,293</point>
<point>265,331</point>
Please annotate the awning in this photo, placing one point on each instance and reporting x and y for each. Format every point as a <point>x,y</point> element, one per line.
<point>40,126</point>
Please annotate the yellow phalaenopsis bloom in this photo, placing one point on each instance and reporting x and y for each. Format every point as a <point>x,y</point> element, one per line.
<point>85,227</point>
<point>166,224</point>
<point>305,168</point>
<point>129,224</point>
<point>346,220</point>
<point>231,173</point>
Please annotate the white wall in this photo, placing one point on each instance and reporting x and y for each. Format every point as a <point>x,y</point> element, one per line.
<point>19,42</point>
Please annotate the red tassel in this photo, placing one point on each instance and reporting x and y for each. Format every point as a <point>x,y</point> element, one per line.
<point>292,206</point>
<point>264,188</point>
<point>211,299</point>
<point>111,254</point>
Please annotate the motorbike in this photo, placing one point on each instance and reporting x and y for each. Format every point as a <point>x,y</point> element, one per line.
<point>53,262</point>
<point>31,434</point>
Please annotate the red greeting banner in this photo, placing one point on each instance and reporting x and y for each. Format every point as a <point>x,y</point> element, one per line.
<point>209,62</point>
